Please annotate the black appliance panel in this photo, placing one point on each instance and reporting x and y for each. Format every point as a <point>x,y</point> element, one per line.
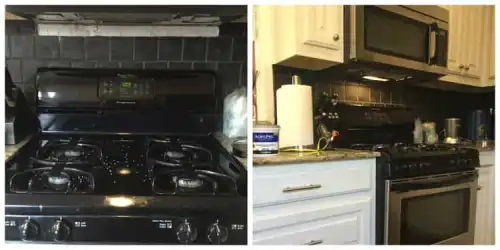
<point>76,89</point>
<point>124,228</point>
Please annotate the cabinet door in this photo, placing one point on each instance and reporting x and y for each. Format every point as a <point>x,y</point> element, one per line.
<point>455,41</point>
<point>490,34</point>
<point>473,22</point>
<point>323,25</point>
<point>321,221</point>
<point>485,210</point>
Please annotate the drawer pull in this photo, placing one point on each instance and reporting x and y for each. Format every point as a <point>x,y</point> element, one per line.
<point>301,188</point>
<point>479,188</point>
<point>314,242</point>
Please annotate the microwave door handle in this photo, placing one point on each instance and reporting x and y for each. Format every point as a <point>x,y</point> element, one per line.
<point>433,29</point>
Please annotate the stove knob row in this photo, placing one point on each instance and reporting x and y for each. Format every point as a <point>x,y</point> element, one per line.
<point>217,234</point>
<point>60,231</point>
<point>29,230</point>
<point>186,232</point>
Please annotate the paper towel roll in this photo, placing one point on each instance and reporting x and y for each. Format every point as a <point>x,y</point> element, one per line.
<point>295,115</point>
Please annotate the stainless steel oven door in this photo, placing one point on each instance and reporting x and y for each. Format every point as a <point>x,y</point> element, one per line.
<point>413,37</point>
<point>438,209</point>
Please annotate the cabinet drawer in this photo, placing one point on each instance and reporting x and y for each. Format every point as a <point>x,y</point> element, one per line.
<point>322,221</point>
<point>280,184</point>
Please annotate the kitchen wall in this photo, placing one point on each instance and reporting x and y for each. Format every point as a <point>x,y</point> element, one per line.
<point>427,103</point>
<point>226,54</point>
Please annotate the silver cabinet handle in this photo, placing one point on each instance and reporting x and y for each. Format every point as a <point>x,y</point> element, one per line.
<point>314,242</point>
<point>336,37</point>
<point>301,188</point>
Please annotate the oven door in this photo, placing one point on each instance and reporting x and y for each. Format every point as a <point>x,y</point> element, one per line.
<point>431,210</point>
<point>413,37</point>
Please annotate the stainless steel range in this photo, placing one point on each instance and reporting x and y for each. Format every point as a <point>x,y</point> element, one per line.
<point>426,194</point>
<point>126,157</point>
<point>429,194</point>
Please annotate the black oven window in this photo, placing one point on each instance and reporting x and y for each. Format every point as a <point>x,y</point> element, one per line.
<point>433,218</point>
<point>389,33</point>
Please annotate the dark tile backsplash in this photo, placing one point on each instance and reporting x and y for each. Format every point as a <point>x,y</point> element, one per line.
<point>427,103</point>
<point>227,54</point>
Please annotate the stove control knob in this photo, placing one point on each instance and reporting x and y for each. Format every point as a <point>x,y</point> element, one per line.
<point>452,162</point>
<point>412,165</point>
<point>186,233</point>
<point>29,230</point>
<point>60,231</point>
<point>421,165</point>
<point>217,234</point>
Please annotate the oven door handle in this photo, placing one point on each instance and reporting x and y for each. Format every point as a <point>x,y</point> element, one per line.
<point>409,186</point>
<point>435,190</point>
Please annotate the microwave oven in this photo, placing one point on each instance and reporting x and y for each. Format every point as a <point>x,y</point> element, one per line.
<point>396,42</point>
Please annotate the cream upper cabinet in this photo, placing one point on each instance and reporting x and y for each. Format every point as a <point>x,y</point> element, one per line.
<point>308,37</point>
<point>322,27</point>
<point>469,35</point>
<point>489,48</point>
<point>473,24</point>
<point>455,40</point>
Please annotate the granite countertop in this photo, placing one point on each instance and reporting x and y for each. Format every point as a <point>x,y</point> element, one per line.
<point>483,146</point>
<point>338,154</point>
<point>11,150</point>
<point>226,143</point>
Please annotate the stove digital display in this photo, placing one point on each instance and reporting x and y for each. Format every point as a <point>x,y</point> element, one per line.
<point>110,89</point>
<point>126,85</point>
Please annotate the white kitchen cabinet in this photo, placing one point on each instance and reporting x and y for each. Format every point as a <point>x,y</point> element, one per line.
<point>327,221</point>
<point>469,34</point>
<point>489,48</point>
<point>331,203</point>
<point>485,208</point>
<point>306,36</point>
<point>473,24</point>
<point>455,38</point>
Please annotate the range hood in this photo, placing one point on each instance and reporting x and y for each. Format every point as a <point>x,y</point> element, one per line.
<point>161,15</point>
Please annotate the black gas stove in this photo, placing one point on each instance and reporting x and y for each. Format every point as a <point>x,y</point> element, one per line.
<point>403,160</point>
<point>138,166</point>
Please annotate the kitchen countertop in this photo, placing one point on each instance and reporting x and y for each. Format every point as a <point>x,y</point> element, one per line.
<point>483,147</point>
<point>11,150</point>
<point>226,143</point>
<point>338,154</point>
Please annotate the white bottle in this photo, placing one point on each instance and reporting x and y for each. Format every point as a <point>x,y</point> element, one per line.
<point>418,137</point>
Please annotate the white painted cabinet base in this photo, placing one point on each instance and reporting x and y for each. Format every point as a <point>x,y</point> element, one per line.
<point>335,207</point>
<point>485,208</point>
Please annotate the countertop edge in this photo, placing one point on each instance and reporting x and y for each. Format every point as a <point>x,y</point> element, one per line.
<point>12,150</point>
<point>323,156</point>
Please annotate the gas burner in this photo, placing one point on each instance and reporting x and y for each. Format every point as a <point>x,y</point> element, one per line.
<point>58,181</point>
<point>192,182</point>
<point>68,153</point>
<point>45,180</point>
<point>174,152</point>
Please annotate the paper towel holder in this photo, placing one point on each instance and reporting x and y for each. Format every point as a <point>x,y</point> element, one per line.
<point>296,80</point>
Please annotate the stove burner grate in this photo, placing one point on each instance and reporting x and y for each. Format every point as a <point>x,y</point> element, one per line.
<point>45,181</point>
<point>67,152</point>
